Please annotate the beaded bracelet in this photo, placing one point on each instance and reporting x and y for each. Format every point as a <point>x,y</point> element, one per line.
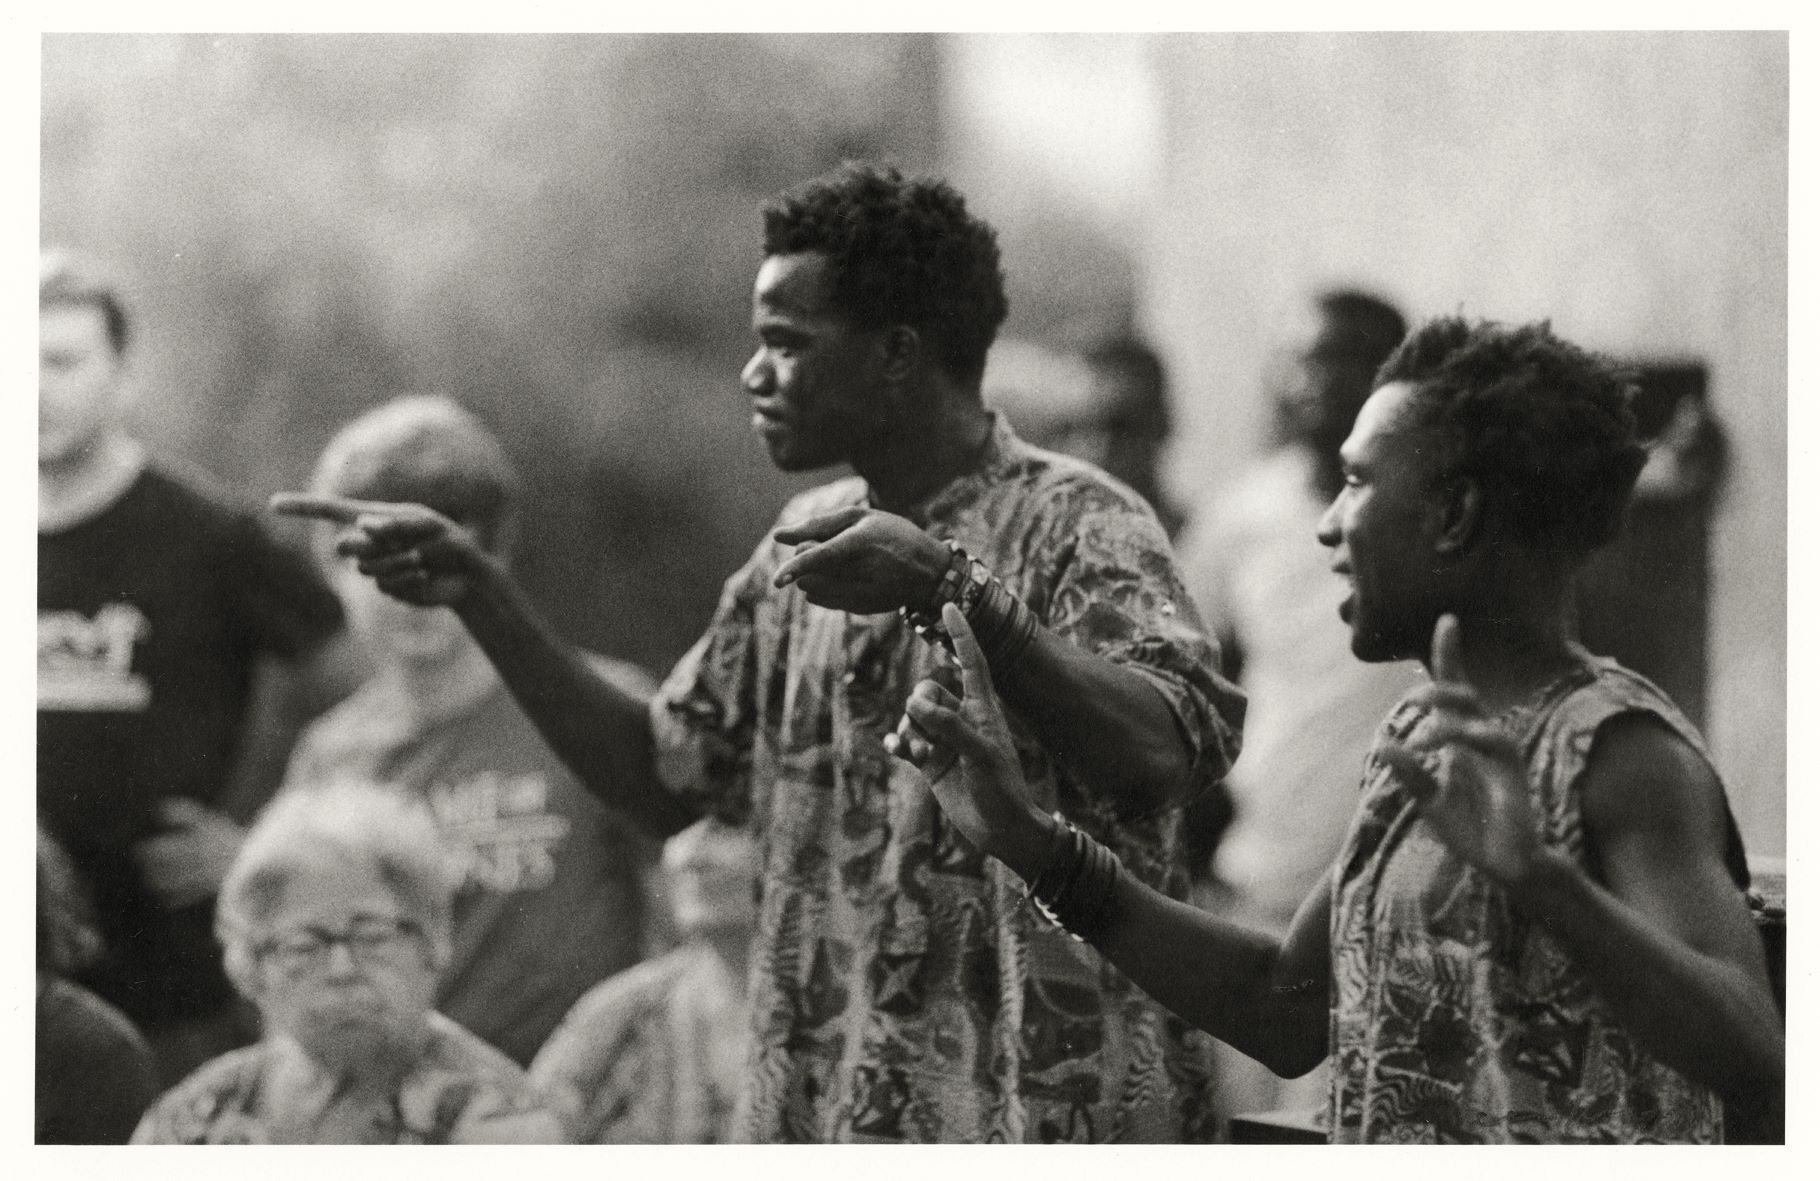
<point>1002,623</point>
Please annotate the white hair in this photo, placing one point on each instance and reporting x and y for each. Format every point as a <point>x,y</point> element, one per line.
<point>395,833</point>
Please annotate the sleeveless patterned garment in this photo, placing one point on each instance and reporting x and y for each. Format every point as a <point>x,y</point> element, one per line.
<point>1456,1018</point>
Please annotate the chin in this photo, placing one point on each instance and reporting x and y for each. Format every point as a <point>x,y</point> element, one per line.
<point>347,1040</point>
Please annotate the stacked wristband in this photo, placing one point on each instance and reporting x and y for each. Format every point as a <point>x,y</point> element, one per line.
<point>1001,622</point>
<point>1075,889</point>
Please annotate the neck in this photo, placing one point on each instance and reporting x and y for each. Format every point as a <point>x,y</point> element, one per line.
<point>433,692</point>
<point>928,454</point>
<point>75,488</point>
<point>1522,640</point>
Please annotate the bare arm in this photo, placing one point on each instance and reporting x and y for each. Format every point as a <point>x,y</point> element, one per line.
<point>1659,928</point>
<point>1108,724</point>
<point>600,730</point>
<point>1266,997</point>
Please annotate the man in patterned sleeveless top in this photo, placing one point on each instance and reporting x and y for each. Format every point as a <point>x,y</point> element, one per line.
<point>1536,930</point>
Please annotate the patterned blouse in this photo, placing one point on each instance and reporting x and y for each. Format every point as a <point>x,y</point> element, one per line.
<point>902,991</point>
<point>654,1055</point>
<point>1455,1017</point>
<point>461,1091</point>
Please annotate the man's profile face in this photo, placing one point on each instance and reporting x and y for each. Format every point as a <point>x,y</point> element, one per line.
<point>1380,528</point>
<point>79,375</point>
<point>814,380</point>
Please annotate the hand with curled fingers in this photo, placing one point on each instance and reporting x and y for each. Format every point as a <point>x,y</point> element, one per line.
<point>1478,803</point>
<point>862,560</point>
<point>963,747</point>
<point>411,552</point>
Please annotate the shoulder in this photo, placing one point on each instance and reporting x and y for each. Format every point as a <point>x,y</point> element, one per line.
<point>1638,770</point>
<point>352,725</point>
<point>171,489</point>
<point>214,1105</point>
<point>625,1000</point>
<point>478,1093</point>
<point>454,1048</point>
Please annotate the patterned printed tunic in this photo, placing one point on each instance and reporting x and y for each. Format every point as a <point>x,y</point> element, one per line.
<point>902,990</point>
<point>461,1091</point>
<point>1455,1018</point>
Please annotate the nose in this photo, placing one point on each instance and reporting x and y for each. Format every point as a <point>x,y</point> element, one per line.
<point>755,378</point>
<point>340,963</point>
<point>1327,531</point>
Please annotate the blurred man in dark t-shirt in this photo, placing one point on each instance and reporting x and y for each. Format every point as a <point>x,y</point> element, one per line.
<point>167,618</point>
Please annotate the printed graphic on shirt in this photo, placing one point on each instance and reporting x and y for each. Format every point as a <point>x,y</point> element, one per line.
<point>506,825</point>
<point>86,664</point>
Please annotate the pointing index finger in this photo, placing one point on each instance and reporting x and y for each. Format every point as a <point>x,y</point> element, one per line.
<point>338,510</point>
<point>976,677</point>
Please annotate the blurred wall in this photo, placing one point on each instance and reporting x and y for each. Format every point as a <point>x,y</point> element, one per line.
<point>1629,186</point>
<point>559,231</point>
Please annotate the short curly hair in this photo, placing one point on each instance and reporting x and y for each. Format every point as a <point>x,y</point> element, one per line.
<point>902,251</point>
<point>1544,426</point>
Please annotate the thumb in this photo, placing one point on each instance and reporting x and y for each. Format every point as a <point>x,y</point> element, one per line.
<point>820,528</point>
<point>1447,660</point>
<point>976,677</point>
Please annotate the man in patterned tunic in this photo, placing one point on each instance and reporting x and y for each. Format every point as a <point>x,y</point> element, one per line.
<point>902,989</point>
<point>1536,930</point>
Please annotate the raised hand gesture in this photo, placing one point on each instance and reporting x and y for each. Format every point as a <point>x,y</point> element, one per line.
<point>1478,804</point>
<point>964,747</point>
<point>863,561</point>
<point>413,553</point>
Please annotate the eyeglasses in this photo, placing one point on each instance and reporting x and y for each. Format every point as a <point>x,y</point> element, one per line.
<point>367,940</point>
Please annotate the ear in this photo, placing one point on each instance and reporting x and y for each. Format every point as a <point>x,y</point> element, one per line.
<point>1461,507</point>
<point>242,970</point>
<point>901,348</point>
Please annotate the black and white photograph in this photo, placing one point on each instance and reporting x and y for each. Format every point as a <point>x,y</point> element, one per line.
<point>743,585</point>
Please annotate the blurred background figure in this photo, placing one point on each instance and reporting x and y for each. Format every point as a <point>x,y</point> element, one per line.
<point>552,902</point>
<point>1262,585</point>
<point>1107,404</point>
<point>657,1055</point>
<point>179,649</point>
<point>94,1075</point>
<point>335,920</point>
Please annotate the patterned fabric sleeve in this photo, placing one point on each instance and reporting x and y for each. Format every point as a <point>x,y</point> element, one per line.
<point>703,717</point>
<point>1117,593</point>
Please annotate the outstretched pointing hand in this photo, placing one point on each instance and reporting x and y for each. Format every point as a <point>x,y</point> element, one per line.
<point>988,800</point>
<point>411,552</point>
<point>1478,805</point>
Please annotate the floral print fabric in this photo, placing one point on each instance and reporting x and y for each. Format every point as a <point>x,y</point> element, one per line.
<point>1456,1018</point>
<point>902,989</point>
<point>461,1091</point>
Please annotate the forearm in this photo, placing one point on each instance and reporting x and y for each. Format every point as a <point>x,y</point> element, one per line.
<point>601,731</point>
<point>1696,1013</point>
<point>1107,724</point>
<point>1247,988</point>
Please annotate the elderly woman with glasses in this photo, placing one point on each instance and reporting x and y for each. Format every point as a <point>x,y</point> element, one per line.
<point>335,923</point>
